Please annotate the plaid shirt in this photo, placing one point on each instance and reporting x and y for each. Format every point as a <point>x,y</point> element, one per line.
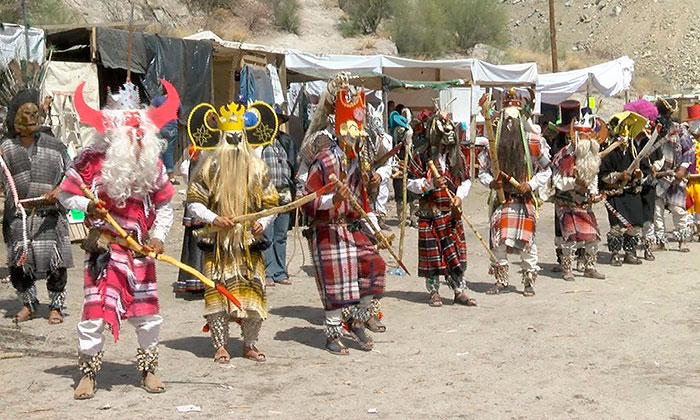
<point>278,164</point>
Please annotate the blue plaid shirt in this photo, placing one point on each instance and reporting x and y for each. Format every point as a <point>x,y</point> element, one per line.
<point>280,166</point>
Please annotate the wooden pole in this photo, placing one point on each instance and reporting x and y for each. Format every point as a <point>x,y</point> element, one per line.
<point>553,37</point>
<point>26,30</point>
<point>128,45</point>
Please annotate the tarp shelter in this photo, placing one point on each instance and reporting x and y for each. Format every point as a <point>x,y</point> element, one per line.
<point>399,74</point>
<point>13,43</point>
<point>228,59</point>
<point>185,63</point>
<point>609,79</point>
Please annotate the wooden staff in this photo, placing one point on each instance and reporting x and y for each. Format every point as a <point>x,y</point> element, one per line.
<point>512,181</point>
<point>246,218</point>
<point>466,220</point>
<point>612,147</point>
<point>493,147</point>
<point>377,233</point>
<point>404,197</point>
<point>136,247</point>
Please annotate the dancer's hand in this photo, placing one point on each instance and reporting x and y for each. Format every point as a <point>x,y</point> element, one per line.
<point>496,184</point>
<point>680,173</point>
<point>95,211</point>
<point>342,194</point>
<point>524,188</point>
<point>223,222</point>
<point>376,179</point>
<point>257,229</point>
<point>625,176</point>
<point>457,203</point>
<point>440,182</point>
<point>155,245</point>
<point>52,197</point>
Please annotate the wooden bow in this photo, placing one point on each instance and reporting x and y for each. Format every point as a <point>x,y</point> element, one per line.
<point>137,247</point>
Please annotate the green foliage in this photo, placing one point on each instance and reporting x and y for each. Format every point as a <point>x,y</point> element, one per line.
<point>433,27</point>
<point>476,21</point>
<point>39,12</point>
<point>362,17</point>
<point>211,5</point>
<point>419,27</point>
<point>286,14</point>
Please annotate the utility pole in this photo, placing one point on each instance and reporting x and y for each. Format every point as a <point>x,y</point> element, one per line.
<point>553,37</point>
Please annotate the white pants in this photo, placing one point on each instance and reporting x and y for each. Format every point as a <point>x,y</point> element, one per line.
<point>91,338</point>
<point>678,214</point>
<point>648,230</point>
<point>382,197</point>
<point>568,248</point>
<point>528,259</point>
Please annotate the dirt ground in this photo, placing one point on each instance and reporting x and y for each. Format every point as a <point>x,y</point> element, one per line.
<point>623,348</point>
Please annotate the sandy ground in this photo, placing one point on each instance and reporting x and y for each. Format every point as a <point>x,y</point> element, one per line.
<point>624,348</point>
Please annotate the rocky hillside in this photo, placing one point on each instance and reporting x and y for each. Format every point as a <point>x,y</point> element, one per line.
<point>662,36</point>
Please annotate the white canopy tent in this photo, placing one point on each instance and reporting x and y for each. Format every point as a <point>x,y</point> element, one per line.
<point>325,66</point>
<point>609,79</point>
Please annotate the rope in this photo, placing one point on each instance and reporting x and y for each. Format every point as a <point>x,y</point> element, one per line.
<point>296,239</point>
<point>15,197</point>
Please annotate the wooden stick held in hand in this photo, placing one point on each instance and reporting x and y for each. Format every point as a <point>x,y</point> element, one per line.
<point>377,233</point>
<point>466,220</point>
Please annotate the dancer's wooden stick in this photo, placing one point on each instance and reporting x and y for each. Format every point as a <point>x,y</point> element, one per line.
<point>466,220</point>
<point>135,246</point>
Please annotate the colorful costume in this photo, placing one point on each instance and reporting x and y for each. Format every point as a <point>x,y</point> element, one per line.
<point>626,210</point>
<point>677,156</point>
<point>442,250</point>
<point>36,170</point>
<point>348,269</point>
<point>123,169</point>
<point>513,225</point>
<point>575,181</point>
<point>231,181</point>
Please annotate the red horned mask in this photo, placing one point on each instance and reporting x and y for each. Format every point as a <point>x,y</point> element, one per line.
<point>158,116</point>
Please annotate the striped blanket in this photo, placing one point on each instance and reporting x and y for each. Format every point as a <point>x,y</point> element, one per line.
<point>36,170</point>
<point>117,285</point>
<point>513,224</point>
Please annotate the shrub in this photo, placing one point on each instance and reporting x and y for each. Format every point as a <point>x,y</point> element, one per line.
<point>44,12</point>
<point>211,5</point>
<point>476,21</point>
<point>437,26</point>
<point>362,16</point>
<point>253,13</point>
<point>419,28</point>
<point>286,14</point>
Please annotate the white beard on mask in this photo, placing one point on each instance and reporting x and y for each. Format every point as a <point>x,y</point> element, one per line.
<point>587,160</point>
<point>130,168</point>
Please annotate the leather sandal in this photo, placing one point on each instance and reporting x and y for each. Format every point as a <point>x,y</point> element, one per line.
<point>86,388</point>
<point>152,383</point>
<point>361,336</point>
<point>375,325</point>
<point>337,347</point>
<point>461,298</point>
<point>435,300</point>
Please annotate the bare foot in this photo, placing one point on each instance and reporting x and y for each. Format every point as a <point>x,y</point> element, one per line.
<point>152,383</point>
<point>86,388</point>
<point>252,353</point>
<point>222,356</point>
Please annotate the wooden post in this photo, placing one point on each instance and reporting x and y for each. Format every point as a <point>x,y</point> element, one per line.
<point>553,37</point>
<point>627,96</point>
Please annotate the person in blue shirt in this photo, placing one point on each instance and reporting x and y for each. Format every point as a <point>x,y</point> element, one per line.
<point>170,134</point>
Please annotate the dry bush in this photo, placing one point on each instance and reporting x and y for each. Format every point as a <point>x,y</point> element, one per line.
<point>254,13</point>
<point>362,17</point>
<point>286,14</point>
<point>366,43</point>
